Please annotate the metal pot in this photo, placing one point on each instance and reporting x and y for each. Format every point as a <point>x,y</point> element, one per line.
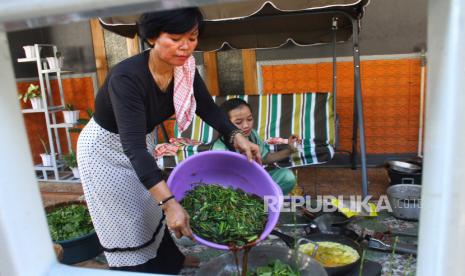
<point>396,177</point>
<point>405,200</point>
<point>260,256</point>
<point>338,238</point>
<point>404,167</point>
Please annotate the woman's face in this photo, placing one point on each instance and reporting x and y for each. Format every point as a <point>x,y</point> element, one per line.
<point>175,49</point>
<point>242,118</point>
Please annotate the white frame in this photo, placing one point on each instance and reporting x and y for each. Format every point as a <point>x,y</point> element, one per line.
<point>23,229</point>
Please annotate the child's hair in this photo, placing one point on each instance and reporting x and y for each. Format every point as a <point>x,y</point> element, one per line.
<point>227,106</point>
<point>231,104</point>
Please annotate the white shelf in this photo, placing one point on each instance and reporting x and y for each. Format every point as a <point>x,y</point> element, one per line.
<point>27,59</point>
<point>50,109</point>
<point>56,108</point>
<point>65,177</point>
<point>55,172</point>
<point>62,125</point>
<point>40,167</point>
<point>30,110</point>
<point>48,71</point>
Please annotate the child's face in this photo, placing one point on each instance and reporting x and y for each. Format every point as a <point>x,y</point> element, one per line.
<point>242,118</point>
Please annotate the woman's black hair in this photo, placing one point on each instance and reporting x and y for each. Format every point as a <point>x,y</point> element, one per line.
<point>178,21</point>
<point>231,104</point>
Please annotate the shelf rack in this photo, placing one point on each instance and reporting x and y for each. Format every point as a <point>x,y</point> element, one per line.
<point>50,108</point>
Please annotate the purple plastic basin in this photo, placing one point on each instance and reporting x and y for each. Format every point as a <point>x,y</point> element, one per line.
<point>228,169</point>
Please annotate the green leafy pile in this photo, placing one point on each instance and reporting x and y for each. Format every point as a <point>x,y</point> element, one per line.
<point>276,268</point>
<point>225,215</point>
<point>69,222</point>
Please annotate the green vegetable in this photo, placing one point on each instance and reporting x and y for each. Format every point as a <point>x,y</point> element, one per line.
<point>224,215</point>
<point>276,268</point>
<point>69,222</point>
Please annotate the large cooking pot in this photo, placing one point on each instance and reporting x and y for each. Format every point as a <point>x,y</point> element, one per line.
<point>225,265</point>
<point>319,237</point>
<point>405,201</point>
<point>396,177</point>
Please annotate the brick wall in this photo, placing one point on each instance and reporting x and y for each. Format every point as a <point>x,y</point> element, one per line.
<point>391,97</point>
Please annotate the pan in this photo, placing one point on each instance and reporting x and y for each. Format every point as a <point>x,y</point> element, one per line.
<point>320,237</point>
<point>404,167</point>
<point>260,256</point>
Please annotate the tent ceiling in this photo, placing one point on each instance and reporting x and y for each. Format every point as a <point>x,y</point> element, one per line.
<point>264,24</point>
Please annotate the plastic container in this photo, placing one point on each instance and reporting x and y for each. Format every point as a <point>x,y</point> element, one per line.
<point>228,169</point>
<point>81,248</point>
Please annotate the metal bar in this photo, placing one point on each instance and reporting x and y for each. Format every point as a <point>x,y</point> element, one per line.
<point>52,103</point>
<point>62,98</point>
<point>422,102</point>
<point>359,107</point>
<point>46,115</point>
<point>353,154</point>
<point>336,119</point>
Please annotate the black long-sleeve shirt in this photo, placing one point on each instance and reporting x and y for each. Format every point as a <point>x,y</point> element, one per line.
<point>131,104</point>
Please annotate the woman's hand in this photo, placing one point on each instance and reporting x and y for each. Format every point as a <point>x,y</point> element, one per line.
<point>177,219</point>
<point>249,149</point>
<point>293,141</point>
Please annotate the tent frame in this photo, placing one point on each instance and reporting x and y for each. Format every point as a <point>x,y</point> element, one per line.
<point>358,120</point>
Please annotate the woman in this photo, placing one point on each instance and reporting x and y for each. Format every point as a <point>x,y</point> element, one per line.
<point>126,193</point>
<point>240,114</point>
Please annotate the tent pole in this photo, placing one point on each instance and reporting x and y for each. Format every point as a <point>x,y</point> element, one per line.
<point>336,134</point>
<point>358,111</point>
<point>353,155</point>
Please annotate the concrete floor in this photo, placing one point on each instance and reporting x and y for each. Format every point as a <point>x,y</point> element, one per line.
<point>314,181</point>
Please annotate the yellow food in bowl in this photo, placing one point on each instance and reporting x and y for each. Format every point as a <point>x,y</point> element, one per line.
<point>331,254</point>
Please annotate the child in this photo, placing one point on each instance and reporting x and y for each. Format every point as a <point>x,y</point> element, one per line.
<point>240,114</point>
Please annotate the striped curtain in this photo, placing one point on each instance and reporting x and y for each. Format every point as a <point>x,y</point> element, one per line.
<point>310,115</point>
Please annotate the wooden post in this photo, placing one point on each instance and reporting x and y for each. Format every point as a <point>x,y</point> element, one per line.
<point>249,68</point>
<point>133,46</point>
<point>211,72</point>
<point>98,42</point>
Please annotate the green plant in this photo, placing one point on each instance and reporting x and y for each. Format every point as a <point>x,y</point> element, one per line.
<point>82,121</point>
<point>45,146</point>
<point>70,159</point>
<point>224,215</point>
<point>69,222</point>
<point>392,257</point>
<point>69,107</point>
<point>362,261</point>
<point>33,91</point>
<point>276,268</point>
<point>408,266</point>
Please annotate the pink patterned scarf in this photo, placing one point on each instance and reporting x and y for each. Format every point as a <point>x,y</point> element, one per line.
<point>183,94</point>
